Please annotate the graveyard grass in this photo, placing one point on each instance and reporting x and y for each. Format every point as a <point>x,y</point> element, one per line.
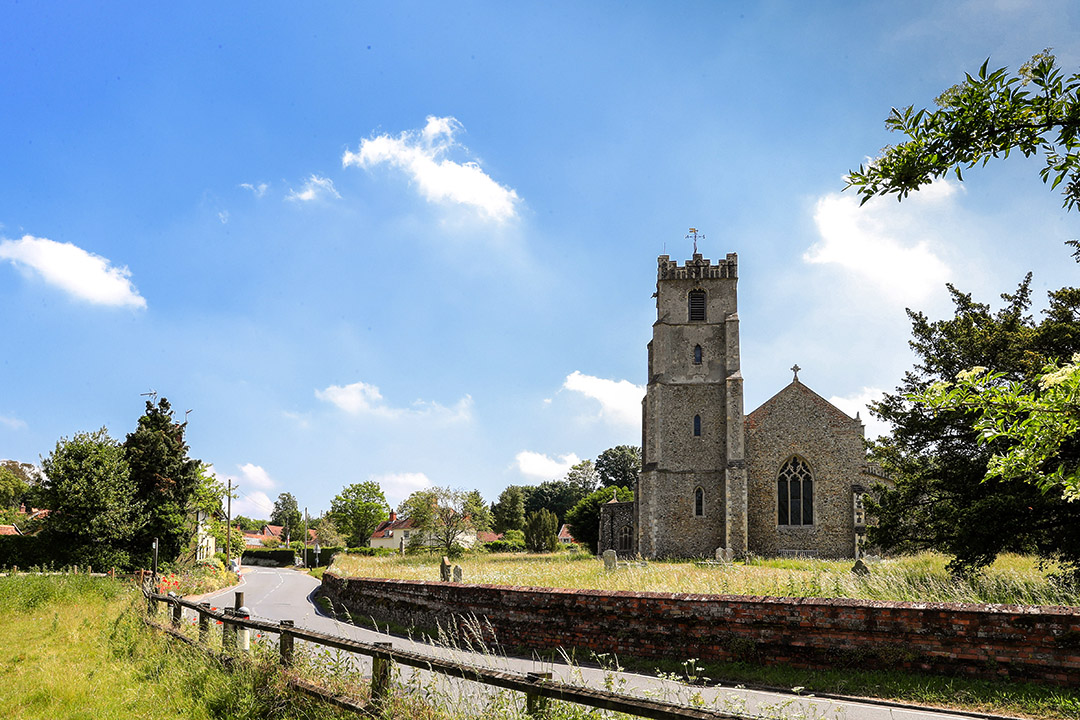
<point>1012,579</point>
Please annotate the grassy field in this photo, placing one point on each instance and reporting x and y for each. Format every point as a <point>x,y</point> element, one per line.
<point>1012,579</point>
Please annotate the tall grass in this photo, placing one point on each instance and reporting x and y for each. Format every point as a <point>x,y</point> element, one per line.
<point>1012,579</point>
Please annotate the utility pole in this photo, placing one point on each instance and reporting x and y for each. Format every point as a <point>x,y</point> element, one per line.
<point>228,525</point>
<point>305,536</point>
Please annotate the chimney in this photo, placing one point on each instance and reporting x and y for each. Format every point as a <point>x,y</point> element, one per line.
<point>393,516</point>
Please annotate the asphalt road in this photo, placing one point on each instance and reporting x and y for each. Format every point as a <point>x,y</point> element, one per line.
<point>276,594</point>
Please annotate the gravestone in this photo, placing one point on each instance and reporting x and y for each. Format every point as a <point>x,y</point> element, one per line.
<point>457,573</point>
<point>859,568</point>
<point>719,554</point>
<point>444,569</point>
<point>611,559</point>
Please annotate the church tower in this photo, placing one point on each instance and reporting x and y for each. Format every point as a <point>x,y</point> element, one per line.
<point>691,495</point>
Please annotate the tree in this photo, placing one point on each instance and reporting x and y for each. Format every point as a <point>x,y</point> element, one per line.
<point>558,496</point>
<point>327,533</point>
<point>583,475</point>
<point>165,479</point>
<point>12,488</point>
<point>91,495</point>
<point>942,497</point>
<point>358,510</point>
<point>1034,429</point>
<point>619,466</point>
<point>509,512</point>
<point>986,116</point>
<point>247,524</point>
<point>584,518</point>
<point>287,515</point>
<point>438,518</point>
<point>477,511</point>
<point>541,531</point>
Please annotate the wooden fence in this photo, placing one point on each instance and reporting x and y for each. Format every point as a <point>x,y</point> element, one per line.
<point>539,688</point>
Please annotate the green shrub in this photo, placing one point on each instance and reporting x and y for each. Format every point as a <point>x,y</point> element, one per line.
<point>497,546</point>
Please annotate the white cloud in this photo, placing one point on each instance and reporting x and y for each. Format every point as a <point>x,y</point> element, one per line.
<point>398,486</point>
<point>541,466</point>
<point>859,403</point>
<point>258,190</point>
<point>316,187</point>
<point>360,398</point>
<point>620,400</point>
<point>889,244</point>
<point>251,499</point>
<point>12,422</point>
<point>85,275</point>
<point>422,156</point>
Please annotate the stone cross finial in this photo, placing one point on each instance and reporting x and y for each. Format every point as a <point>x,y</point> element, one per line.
<point>795,369</point>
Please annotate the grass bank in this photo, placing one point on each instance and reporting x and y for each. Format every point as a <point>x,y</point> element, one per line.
<point>918,578</point>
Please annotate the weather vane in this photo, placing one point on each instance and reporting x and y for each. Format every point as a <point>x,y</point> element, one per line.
<point>694,234</point>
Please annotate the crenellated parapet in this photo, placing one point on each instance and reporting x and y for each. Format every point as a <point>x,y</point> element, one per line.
<point>698,268</point>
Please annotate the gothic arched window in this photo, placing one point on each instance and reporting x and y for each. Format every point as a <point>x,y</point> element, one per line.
<point>697,354</point>
<point>697,426</point>
<point>697,306</point>
<point>795,493</point>
<point>699,502</point>
<point>626,538</point>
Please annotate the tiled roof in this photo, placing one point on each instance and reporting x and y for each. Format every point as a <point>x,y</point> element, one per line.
<point>564,533</point>
<point>9,530</point>
<point>484,536</point>
<point>387,527</point>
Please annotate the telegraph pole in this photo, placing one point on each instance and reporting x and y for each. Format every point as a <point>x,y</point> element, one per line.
<point>228,525</point>
<point>305,536</point>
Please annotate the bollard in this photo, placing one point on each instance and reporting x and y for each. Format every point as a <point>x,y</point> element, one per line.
<point>286,643</point>
<point>204,623</point>
<point>380,676</point>
<point>537,705</point>
<point>177,613</point>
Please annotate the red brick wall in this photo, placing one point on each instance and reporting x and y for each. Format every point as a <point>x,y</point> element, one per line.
<point>1038,643</point>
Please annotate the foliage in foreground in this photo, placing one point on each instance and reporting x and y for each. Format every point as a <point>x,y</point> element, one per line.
<point>986,116</point>
<point>943,499</point>
<point>918,578</point>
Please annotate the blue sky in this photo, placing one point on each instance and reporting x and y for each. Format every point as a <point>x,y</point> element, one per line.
<point>416,242</point>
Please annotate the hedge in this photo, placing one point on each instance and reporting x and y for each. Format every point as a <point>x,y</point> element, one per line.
<point>282,557</point>
<point>27,551</point>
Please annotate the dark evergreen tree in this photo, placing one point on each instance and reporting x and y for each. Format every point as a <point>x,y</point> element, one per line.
<point>164,480</point>
<point>542,531</point>
<point>509,512</point>
<point>287,515</point>
<point>940,500</point>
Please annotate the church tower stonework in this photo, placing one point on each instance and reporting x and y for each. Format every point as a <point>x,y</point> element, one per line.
<point>692,491</point>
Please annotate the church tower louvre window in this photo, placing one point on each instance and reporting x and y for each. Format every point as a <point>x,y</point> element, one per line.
<point>697,306</point>
<point>795,493</point>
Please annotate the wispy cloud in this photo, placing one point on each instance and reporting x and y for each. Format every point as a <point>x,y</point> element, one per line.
<point>422,156</point>
<point>257,190</point>
<point>12,422</point>
<point>82,274</point>
<point>859,403</point>
<point>360,398</point>
<point>889,244</point>
<point>620,400</point>
<point>315,188</point>
<point>540,466</point>
<point>398,486</point>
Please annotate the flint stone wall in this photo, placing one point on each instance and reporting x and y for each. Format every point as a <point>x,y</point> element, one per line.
<point>989,641</point>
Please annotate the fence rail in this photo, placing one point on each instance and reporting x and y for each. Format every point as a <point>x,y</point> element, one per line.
<point>538,687</point>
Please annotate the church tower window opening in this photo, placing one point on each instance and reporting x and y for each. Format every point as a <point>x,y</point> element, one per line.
<point>697,306</point>
<point>699,502</point>
<point>795,493</point>
<point>626,538</point>
<point>697,354</point>
<point>697,426</point>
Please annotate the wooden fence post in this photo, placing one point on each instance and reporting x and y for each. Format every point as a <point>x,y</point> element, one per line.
<point>228,632</point>
<point>204,623</point>
<point>537,705</point>
<point>177,614</point>
<point>286,643</point>
<point>380,676</point>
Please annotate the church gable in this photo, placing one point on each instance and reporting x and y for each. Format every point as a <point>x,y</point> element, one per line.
<point>805,460</point>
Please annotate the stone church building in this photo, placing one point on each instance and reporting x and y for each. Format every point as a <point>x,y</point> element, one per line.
<point>787,479</point>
